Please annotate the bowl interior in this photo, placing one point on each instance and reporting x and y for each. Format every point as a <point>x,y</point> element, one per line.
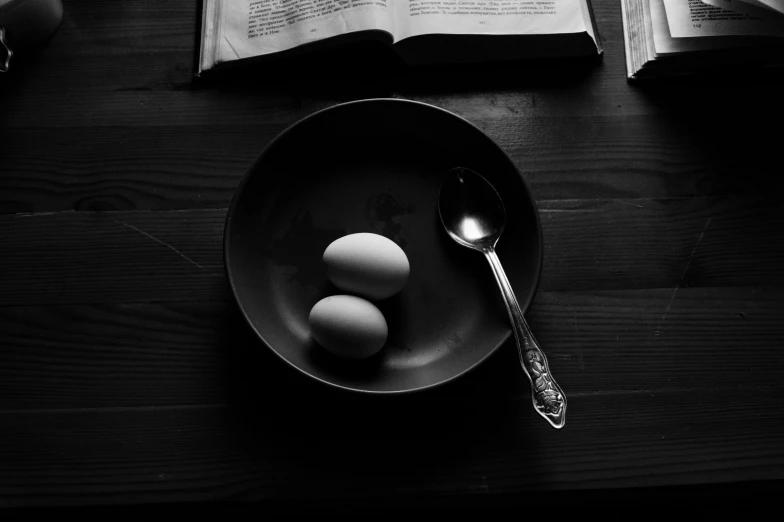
<point>377,166</point>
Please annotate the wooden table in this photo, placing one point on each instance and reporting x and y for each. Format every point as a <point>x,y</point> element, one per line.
<point>127,375</point>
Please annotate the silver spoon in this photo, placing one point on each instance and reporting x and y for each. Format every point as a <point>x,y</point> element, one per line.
<point>473,215</point>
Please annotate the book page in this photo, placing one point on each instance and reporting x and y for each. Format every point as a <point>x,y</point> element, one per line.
<point>500,17</point>
<point>750,7</point>
<point>259,27</point>
<point>664,42</point>
<point>693,18</point>
<point>776,5</point>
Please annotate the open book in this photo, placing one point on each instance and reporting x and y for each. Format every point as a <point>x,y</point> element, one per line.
<point>420,31</point>
<point>674,37</point>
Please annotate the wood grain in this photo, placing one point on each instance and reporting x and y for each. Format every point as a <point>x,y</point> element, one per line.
<point>73,257</point>
<point>134,355</point>
<point>99,169</point>
<point>199,166</point>
<point>127,375</point>
<point>119,256</point>
<point>73,118</point>
<point>171,454</point>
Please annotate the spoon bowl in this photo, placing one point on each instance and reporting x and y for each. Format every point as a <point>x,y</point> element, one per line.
<point>473,215</point>
<point>471,210</point>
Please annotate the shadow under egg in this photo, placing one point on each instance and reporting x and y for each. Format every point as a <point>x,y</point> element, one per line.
<point>353,372</point>
<point>392,309</point>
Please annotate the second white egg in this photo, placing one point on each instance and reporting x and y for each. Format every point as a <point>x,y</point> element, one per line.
<point>348,326</point>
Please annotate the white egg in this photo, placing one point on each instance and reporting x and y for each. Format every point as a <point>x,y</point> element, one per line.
<point>348,326</point>
<point>367,264</point>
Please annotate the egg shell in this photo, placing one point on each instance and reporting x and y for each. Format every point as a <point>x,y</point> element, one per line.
<point>348,326</point>
<point>367,264</point>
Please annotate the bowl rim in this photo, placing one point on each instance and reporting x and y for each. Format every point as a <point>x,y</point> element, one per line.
<point>337,107</point>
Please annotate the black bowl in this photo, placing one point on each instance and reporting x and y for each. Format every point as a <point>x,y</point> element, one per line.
<point>376,166</point>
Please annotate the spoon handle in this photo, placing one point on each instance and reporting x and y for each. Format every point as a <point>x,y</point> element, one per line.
<point>548,398</point>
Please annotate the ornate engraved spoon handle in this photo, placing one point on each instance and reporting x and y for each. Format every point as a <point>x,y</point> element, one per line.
<point>548,398</point>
